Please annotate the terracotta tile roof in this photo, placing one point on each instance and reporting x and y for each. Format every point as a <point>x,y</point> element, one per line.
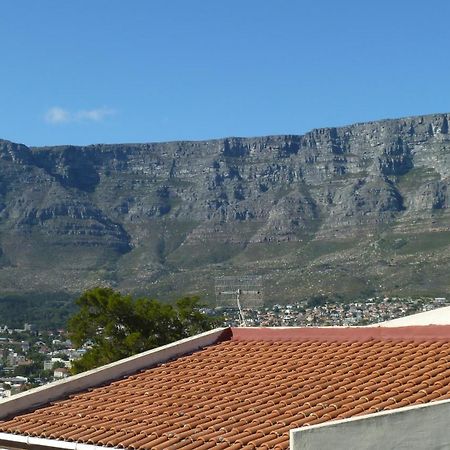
<point>249,391</point>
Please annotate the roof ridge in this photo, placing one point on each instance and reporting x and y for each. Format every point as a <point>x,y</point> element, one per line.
<point>425,333</point>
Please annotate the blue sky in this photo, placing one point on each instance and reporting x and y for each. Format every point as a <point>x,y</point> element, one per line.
<point>92,71</point>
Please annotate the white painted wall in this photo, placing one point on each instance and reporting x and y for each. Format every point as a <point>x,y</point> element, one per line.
<point>423,427</point>
<point>438,316</point>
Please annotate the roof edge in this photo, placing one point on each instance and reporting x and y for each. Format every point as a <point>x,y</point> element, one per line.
<point>18,441</point>
<point>341,334</point>
<point>44,394</point>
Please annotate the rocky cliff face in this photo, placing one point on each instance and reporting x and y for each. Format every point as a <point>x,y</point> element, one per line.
<point>355,209</point>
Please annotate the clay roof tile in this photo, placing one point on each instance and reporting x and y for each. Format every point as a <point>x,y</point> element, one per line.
<point>247,393</point>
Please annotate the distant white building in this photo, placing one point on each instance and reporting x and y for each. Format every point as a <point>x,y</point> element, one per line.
<point>61,372</point>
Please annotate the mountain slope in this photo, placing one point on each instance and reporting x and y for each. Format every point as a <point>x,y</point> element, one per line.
<point>357,209</point>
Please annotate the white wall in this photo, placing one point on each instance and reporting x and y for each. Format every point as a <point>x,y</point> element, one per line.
<point>438,316</point>
<point>424,427</point>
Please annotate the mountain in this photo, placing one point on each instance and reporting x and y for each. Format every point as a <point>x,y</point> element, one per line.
<point>354,210</point>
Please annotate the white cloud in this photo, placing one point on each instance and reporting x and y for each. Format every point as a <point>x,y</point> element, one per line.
<point>94,115</point>
<point>57,115</point>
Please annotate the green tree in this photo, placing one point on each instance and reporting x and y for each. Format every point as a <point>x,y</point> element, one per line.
<point>58,365</point>
<point>114,326</point>
<point>317,300</point>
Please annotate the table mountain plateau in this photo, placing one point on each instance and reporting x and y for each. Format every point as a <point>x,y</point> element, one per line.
<point>354,210</point>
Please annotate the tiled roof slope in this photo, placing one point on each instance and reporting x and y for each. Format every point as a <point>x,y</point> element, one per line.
<point>247,392</point>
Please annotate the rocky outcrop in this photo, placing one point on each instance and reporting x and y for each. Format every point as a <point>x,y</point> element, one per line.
<point>143,216</point>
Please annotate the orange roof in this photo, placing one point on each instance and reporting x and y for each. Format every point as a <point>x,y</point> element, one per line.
<point>249,390</point>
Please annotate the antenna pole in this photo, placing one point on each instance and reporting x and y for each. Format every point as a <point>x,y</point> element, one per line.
<point>241,312</point>
<point>243,292</point>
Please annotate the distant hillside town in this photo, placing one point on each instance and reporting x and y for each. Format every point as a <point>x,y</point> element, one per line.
<point>322,312</point>
<point>32,357</point>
